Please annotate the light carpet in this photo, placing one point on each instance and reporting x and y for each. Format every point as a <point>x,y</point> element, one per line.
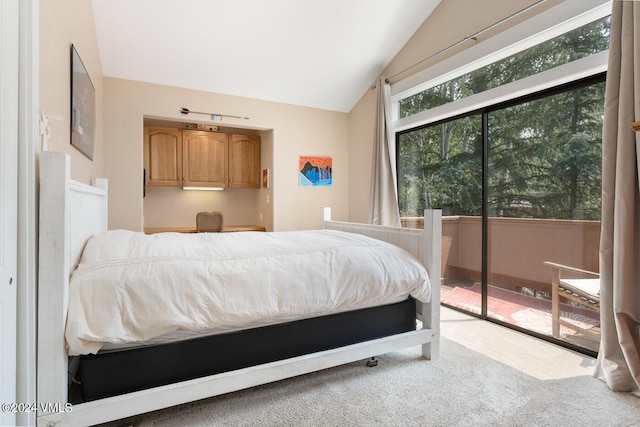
<point>486,375</point>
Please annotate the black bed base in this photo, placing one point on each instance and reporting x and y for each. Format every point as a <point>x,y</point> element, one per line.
<point>118,372</point>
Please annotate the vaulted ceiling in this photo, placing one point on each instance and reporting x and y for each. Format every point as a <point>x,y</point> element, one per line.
<point>322,54</point>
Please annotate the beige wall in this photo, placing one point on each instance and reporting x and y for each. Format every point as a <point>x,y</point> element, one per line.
<point>62,23</point>
<point>450,22</point>
<point>287,132</point>
<point>174,207</point>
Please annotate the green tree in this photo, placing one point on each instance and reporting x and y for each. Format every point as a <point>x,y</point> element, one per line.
<point>544,154</point>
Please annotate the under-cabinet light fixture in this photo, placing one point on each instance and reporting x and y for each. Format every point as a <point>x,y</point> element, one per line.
<point>214,116</point>
<point>204,188</point>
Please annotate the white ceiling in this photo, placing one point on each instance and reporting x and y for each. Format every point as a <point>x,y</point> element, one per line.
<point>322,54</point>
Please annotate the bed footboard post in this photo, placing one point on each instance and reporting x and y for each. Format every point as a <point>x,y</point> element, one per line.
<point>432,260</point>
<point>53,276</point>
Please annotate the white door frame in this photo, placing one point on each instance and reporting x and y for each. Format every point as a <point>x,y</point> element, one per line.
<point>9,52</point>
<point>28,152</point>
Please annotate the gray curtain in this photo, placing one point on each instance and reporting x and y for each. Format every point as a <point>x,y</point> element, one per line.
<point>384,195</point>
<point>619,356</point>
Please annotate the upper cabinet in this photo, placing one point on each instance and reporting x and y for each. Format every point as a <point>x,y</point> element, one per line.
<point>163,156</point>
<point>192,158</point>
<point>204,158</point>
<point>244,161</point>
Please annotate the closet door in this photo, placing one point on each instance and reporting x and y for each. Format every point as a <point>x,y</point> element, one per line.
<point>9,19</point>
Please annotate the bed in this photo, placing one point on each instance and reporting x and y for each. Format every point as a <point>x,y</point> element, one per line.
<point>122,379</point>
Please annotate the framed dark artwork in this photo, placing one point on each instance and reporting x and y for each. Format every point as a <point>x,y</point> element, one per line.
<point>83,107</point>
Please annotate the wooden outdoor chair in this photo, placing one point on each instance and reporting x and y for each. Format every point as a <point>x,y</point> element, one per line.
<point>209,222</point>
<point>582,287</point>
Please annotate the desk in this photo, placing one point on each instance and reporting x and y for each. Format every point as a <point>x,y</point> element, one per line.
<point>232,228</point>
<point>225,229</point>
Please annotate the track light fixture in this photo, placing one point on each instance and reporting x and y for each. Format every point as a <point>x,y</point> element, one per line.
<point>214,116</point>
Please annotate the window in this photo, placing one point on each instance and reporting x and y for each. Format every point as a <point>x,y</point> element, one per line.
<point>440,166</point>
<point>573,45</point>
<point>545,155</point>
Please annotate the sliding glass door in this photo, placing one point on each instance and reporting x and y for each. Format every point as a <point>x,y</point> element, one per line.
<point>519,187</point>
<point>441,166</point>
<point>543,208</point>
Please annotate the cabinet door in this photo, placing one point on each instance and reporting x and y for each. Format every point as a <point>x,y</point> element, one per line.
<point>205,158</point>
<point>244,161</point>
<point>163,156</point>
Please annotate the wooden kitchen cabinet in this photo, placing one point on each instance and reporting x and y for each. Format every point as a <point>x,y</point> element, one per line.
<point>163,156</point>
<point>244,161</point>
<point>193,158</point>
<point>205,158</point>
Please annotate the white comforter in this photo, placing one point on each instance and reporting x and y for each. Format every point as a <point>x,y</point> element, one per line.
<point>132,287</point>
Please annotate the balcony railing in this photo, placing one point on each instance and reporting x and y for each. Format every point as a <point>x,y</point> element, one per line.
<point>517,250</point>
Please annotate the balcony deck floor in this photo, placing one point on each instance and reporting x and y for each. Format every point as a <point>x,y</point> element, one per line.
<point>529,312</point>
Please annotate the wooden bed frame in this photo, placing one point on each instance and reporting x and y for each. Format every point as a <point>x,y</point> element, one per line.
<point>72,212</point>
